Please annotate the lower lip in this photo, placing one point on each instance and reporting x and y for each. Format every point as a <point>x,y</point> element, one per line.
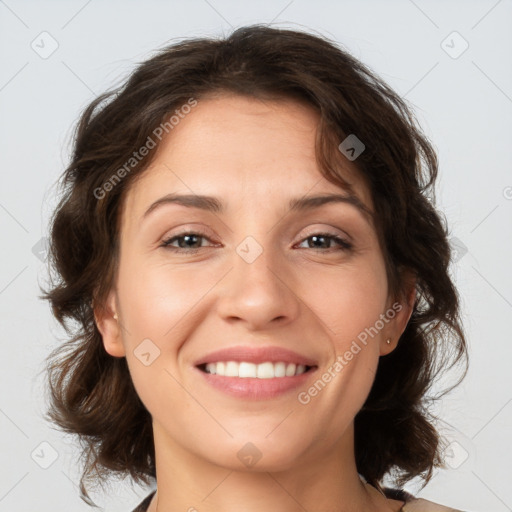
<point>253,388</point>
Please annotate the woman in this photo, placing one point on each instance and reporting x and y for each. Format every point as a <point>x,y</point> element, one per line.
<point>248,245</point>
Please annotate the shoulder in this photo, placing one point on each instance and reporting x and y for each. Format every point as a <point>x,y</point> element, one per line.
<point>413,504</point>
<point>144,504</point>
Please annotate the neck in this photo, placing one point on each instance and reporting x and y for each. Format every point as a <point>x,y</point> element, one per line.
<point>329,482</point>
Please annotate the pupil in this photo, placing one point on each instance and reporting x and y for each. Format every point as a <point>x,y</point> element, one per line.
<point>187,238</point>
<point>317,238</point>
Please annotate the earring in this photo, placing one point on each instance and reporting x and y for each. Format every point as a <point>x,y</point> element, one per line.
<point>388,341</point>
<point>115,316</point>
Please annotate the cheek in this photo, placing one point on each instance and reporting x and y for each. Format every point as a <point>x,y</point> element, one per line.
<point>160,305</point>
<point>160,301</point>
<point>348,299</point>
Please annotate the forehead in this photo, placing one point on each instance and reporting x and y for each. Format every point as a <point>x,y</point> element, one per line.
<point>242,150</point>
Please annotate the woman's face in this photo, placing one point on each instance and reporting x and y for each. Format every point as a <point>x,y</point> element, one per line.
<point>249,274</point>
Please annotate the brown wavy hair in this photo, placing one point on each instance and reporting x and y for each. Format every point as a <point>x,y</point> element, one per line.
<point>91,393</point>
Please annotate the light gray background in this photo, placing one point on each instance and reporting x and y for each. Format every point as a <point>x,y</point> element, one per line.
<point>464,105</point>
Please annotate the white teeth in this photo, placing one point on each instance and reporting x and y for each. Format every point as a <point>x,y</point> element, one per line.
<point>279,369</point>
<point>265,371</point>
<point>247,370</point>
<point>231,369</point>
<point>290,370</point>
<point>244,370</point>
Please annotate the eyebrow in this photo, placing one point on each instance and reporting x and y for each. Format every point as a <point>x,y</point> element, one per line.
<point>300,204</point>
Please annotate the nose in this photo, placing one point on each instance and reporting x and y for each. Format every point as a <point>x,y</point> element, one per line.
<point>258,294</point>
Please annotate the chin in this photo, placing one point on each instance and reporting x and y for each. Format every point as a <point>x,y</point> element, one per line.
<point>258,453</point>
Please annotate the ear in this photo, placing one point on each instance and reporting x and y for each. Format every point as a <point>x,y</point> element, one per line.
<point>400,310</point>
<point>107,320</point>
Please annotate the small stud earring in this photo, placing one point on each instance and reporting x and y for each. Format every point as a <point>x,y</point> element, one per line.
<point>115,316</point>
<point>388,341</point>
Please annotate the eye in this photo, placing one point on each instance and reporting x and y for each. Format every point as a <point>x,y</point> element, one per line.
<point>320,238</point>
<point>187,242</point>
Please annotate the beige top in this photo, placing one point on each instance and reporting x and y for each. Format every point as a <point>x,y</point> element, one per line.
<point>421,505</point>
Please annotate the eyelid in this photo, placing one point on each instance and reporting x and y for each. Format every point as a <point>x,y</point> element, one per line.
<point>190,228</point>
<point>330,230</point>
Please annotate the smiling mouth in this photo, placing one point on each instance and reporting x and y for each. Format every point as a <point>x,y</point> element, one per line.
<point>266,370</point>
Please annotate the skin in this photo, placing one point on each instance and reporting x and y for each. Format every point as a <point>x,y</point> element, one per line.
<point>254,156</point>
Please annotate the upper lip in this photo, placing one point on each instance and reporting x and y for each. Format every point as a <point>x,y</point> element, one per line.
<point>256,355</point>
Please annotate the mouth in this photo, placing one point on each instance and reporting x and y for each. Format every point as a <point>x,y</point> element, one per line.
<point>257,373</point>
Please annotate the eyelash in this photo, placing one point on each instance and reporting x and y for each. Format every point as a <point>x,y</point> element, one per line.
<point>344,245</point>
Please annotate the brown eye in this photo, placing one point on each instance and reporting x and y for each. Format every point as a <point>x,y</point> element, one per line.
<point>319,240</point>
<point>188,242</point>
